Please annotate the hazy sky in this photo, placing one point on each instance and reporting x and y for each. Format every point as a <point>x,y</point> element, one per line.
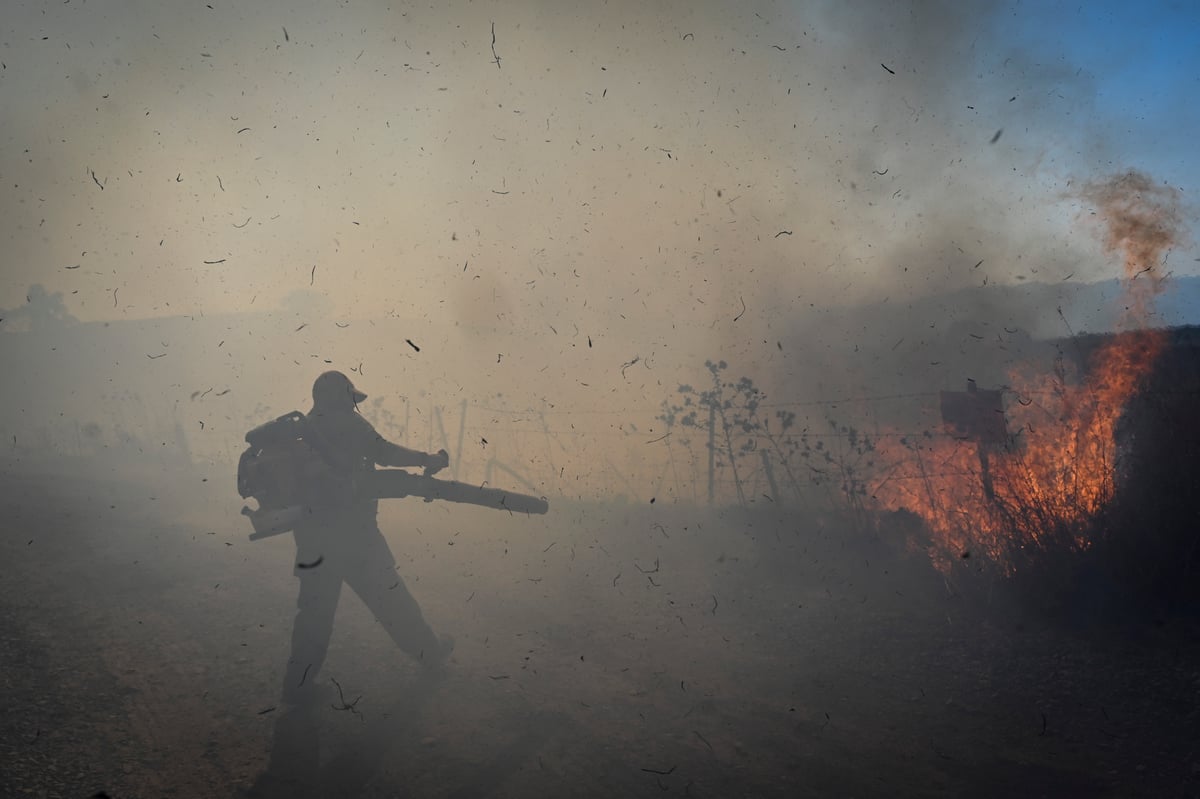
<point>620,158</point>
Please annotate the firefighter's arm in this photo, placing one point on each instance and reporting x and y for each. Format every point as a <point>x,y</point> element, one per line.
<point>389,454</point>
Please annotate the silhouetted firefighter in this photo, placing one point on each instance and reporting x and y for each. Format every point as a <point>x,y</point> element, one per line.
<point>315,474</point>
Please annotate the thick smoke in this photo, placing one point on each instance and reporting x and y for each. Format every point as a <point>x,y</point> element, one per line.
<point>522,229</point>
<point>1142,221</point>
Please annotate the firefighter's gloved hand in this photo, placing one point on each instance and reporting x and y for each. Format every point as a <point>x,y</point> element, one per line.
<point>436,462</point>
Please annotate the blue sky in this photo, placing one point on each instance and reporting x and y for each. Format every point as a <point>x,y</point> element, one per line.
<point>1144,61</point>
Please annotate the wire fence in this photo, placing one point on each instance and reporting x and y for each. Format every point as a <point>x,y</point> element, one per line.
<point>635,454</point>
<point>640,456</point>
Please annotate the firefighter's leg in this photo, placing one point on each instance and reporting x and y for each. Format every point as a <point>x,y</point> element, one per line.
<point>315,608</point>
<point>385,595</point>
<point>294,766</point>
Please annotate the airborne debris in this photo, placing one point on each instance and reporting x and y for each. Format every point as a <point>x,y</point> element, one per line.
<point>777,235</point>
<point>342,698</point>
<point>211,263</point>
<point>409,341</point>
<point>996,138</point>
<point>885,66</point>
<point>320,559</point>
<point>496,57</point>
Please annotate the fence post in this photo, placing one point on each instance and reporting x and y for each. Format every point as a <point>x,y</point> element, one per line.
<point>462,429</point>
<point>437,415</point>
<point>712,452</point>
<point>766,459</point>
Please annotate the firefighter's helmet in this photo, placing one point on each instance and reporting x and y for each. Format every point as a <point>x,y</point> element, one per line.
<point>334,391</point>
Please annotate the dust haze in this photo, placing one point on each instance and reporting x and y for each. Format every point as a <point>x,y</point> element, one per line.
<point>673,268</point>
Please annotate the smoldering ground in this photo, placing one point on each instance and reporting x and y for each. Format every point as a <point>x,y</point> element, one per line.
<point>604,649</point>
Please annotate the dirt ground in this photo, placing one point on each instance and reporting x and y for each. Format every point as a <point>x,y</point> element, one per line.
<point>601,651</point>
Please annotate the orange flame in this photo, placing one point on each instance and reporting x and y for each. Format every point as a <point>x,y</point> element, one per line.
<point>1044,483</point>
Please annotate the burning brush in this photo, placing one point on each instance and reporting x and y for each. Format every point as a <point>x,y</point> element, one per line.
<point>1029,469</point>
